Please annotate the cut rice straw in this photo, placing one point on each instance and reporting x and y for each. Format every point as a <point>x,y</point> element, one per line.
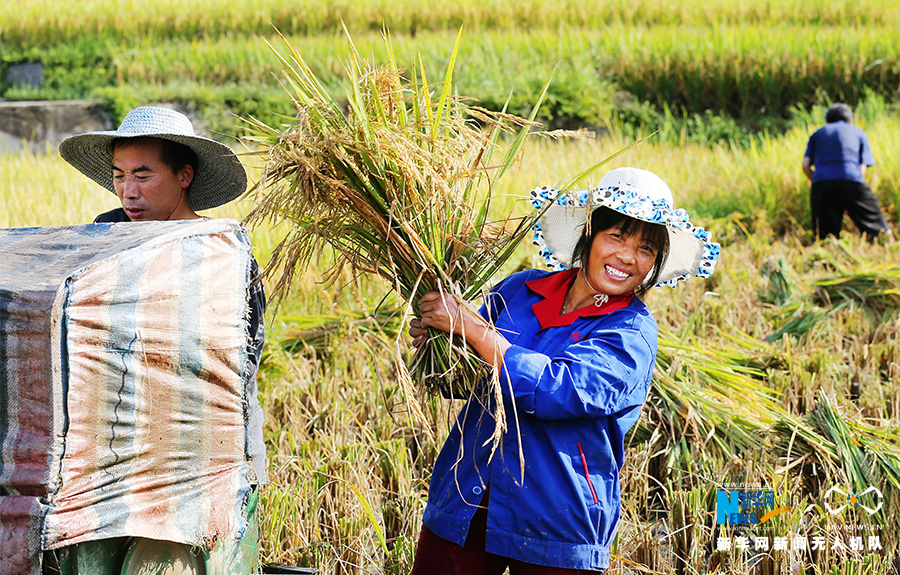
<point>397,185</point>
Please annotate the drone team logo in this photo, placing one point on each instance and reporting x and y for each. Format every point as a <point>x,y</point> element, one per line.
<point>870,500</point>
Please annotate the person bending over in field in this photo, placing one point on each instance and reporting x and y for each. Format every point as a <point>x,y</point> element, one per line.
<point>161,170</point>
<point>576,349</point>
<point>840,154</point>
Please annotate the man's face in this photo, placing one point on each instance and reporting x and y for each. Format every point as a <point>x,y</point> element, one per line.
<point>146,186</point>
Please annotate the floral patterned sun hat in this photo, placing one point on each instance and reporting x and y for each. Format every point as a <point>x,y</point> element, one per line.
<point>637,193</point>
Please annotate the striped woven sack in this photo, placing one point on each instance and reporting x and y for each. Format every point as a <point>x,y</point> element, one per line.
<point>123,368</point>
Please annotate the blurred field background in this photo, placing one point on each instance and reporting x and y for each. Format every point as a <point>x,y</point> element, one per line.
<point>781,372</point>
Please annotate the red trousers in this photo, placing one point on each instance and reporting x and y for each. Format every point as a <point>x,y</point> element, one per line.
<point>437,556</point>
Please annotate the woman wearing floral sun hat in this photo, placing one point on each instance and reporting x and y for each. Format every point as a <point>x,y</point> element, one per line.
<point>577,348</point>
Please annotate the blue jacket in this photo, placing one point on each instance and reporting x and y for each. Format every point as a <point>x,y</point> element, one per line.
<point>571,392</point>
<point>837,150</point>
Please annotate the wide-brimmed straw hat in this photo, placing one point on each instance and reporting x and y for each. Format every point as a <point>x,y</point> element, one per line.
<point>219,176</point>
<point>637,193</point>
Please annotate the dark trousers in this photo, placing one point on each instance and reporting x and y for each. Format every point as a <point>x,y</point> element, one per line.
<point>830,199</point>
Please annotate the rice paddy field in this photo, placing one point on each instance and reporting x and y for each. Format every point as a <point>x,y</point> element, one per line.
<point>780,374</point>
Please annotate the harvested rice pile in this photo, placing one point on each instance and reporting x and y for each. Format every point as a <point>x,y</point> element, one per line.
<point>398,185</point>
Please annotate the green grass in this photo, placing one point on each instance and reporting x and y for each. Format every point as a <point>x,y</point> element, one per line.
<point>718,74</point>
<point>43,22</point>
<point>741,71</point>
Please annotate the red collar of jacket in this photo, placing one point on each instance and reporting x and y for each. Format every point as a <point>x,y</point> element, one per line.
<point>554,288</point>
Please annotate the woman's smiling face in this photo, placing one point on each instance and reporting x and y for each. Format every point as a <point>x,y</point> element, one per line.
<point>619,262</point>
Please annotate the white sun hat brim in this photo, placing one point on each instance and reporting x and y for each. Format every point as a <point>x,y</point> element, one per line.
<point>219,177</point>
<point>636,193</point>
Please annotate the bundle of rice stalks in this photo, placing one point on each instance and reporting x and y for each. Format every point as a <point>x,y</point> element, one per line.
<point>797,319</point>
<point>830,448</point>
<point>397,185</point>
<point>877,288</point>
<point>782,281</point>
<point>708,407</point>
<point>316,332</point>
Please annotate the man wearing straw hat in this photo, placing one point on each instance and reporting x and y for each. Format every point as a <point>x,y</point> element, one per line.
<point>161,170</point>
